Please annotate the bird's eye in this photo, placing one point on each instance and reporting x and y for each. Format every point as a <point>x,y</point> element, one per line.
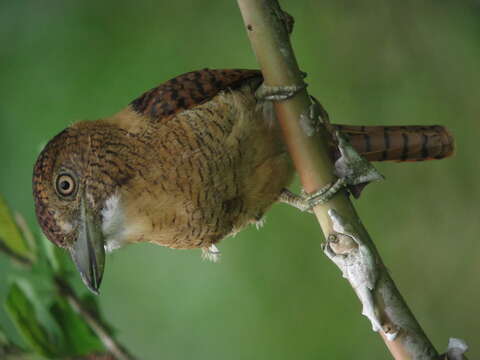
<point>66,185</point>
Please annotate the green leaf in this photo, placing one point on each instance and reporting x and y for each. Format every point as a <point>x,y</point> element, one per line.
<point>78,338</point>
<point>11,240</point>
<point>23,315</point>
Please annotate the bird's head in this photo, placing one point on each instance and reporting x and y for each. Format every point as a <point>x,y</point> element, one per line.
<point>70,186</point>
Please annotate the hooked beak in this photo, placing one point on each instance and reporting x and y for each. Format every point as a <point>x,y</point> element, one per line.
<point>88,251</point>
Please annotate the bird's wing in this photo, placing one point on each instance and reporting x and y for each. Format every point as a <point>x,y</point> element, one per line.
<point>188,90</point>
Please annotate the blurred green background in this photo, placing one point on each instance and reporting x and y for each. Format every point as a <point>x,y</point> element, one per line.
<point>274,294</point>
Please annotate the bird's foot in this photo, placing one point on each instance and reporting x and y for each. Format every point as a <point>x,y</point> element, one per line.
<point>306,202</point>
<point>292,199</point>
<point>211,253</point>
<point>324,194</point>
<point>351,169</point>
<point>278,93</point>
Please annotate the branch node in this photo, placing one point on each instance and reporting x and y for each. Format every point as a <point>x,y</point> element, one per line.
<point>352,166</point>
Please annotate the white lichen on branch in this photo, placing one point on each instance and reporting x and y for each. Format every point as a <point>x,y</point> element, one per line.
<point>358,265</point>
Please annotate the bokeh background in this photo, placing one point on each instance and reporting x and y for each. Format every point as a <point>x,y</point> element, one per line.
<point>274,294</point>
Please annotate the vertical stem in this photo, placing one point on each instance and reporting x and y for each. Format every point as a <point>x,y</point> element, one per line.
<point>271,45</point>
<point>108,341</point>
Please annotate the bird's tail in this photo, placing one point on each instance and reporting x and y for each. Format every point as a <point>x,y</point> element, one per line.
<point>399,143</point>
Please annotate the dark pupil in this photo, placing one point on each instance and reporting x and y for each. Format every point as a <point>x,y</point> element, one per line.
<point>65,185</point>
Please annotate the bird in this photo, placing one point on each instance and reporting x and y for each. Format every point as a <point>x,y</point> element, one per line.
<point>185,165</point>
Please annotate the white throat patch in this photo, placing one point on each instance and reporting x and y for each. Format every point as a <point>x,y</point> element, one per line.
<point>113,224</point>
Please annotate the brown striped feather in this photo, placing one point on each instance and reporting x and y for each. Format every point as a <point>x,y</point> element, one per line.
<point>188,90</point>
<point>400,143</point>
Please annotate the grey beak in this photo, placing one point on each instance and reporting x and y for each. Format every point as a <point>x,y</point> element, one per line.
<point>88,251</point>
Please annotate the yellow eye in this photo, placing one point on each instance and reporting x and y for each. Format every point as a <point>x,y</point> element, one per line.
<point>66,185</point>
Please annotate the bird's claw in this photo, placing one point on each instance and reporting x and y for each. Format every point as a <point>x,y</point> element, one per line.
<point>306,202</point>
<point>297,201</point>
<point>278,93</point>
<point>323,195</point>
<point>351,169</point>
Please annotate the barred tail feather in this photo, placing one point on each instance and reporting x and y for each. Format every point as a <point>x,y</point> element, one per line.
<point>400,143</point>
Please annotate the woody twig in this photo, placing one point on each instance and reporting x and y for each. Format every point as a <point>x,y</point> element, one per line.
<point>348,243</point>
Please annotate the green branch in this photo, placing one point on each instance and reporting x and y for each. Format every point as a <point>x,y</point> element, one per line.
<point>348,244</point>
